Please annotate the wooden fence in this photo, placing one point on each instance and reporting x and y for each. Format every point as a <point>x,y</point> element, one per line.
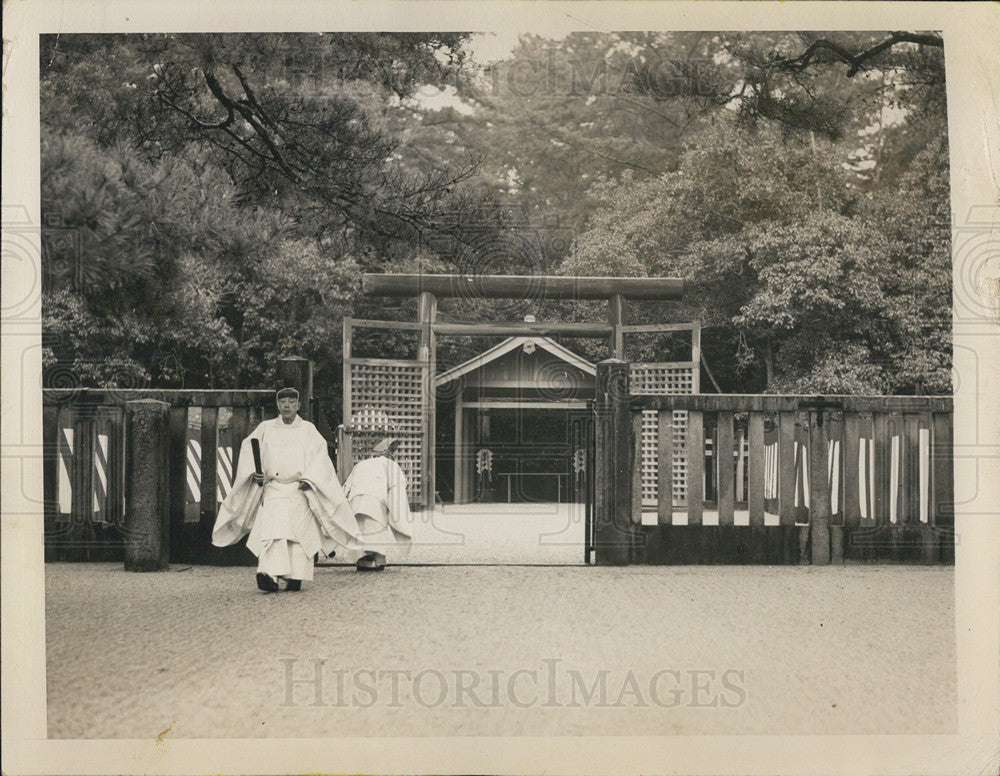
<point>85,468</point>
<point>775,479</point>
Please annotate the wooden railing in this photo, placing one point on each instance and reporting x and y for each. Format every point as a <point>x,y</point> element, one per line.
<point>824,479</point>
<point>84,477</point>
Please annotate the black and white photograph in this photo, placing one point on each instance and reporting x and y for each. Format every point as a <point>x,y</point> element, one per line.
<point>501,388</point>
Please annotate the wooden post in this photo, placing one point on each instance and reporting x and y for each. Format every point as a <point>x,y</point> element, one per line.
<point>851,507</point>
<point>835,471</point>
<point>81,533</point>
<point>819,487</point>
<point>115,466</point>
<point>299,373</point>
<point>617,317</point>
<point>636,510</point>
<point>755,477</point>
<point>942,506</point>
<point>239,428</point>
<point>427,353</point>
<point>613,470</point>
<point>741,495</point>
<point>696,356</point>
<point>882,462</point>
<point>345,458</point>
<point>696,467</point>
<point>147,494</point>
<point>177,470</point>
<point>665,468</point>
<point>786,468</point>
<point>347,409</point>
<point>724,467</point>
<point>460,455</point>
<point>579,441</point>
<point>50,476</point>
<point>209,471</point>
<point>909,475</point>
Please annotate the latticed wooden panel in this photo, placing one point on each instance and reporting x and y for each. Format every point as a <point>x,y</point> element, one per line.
<point>662,380</point>
<point>387,399</point>
<point>650,464</point>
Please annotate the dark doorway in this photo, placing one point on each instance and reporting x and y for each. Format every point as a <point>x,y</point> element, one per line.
<point>532,454</point>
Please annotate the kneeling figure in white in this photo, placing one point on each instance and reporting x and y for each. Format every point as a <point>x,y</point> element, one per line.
<point>376,488</point>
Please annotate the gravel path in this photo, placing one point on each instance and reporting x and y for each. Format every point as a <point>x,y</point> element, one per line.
<point>199,652</point>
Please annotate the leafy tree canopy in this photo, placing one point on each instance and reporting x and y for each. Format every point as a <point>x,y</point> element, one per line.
<point>210,201</point>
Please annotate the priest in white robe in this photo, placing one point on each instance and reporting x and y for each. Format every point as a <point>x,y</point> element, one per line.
<point>294,507</point>
<point>376,489</point>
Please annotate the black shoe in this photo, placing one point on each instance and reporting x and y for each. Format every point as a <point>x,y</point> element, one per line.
<point>266,583</point>
<point>295,585</point>
<point>369,562</point>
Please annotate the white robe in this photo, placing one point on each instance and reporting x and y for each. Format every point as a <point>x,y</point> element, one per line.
<point>376,489</point>
<point>287,526</point>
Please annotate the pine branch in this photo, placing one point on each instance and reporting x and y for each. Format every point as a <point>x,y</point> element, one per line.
<point>856,61</point>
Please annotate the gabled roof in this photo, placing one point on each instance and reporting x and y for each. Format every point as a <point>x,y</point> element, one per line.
<point>513,343</point>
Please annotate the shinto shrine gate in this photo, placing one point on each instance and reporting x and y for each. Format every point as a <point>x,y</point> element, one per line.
<point>400,396</point>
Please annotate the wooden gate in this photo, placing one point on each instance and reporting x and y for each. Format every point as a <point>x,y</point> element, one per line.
<point>822,479</point>
<point>390,397</point>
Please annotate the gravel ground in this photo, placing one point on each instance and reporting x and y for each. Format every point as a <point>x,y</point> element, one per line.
<point>199,652</point>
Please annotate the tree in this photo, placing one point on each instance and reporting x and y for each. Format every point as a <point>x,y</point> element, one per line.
<point>789,260</point>
<point>797,80</point>
<point>209,201</point>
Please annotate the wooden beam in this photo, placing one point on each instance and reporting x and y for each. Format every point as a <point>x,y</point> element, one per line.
<point>521,286</point>
<point>513,404</point>
<point>775,403</point>
<point>364,323</point>
<point>175,397</point>
<point>515,329</point>
<point>659,328</point>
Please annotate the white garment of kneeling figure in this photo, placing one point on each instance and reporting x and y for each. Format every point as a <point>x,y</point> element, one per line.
<point>373,520</point>
<point>373,484</point>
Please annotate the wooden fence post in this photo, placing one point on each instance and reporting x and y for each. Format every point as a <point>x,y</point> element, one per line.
<point>613,465</point>
<point>344,453</point>
<point>819,487</point>
<point>299,373</point>
<point>147,495</point>
<point>177,470</point>
<point>50,476</point>
<point>81,535</point>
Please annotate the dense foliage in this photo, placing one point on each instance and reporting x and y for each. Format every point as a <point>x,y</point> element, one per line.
<point>210,201</point>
